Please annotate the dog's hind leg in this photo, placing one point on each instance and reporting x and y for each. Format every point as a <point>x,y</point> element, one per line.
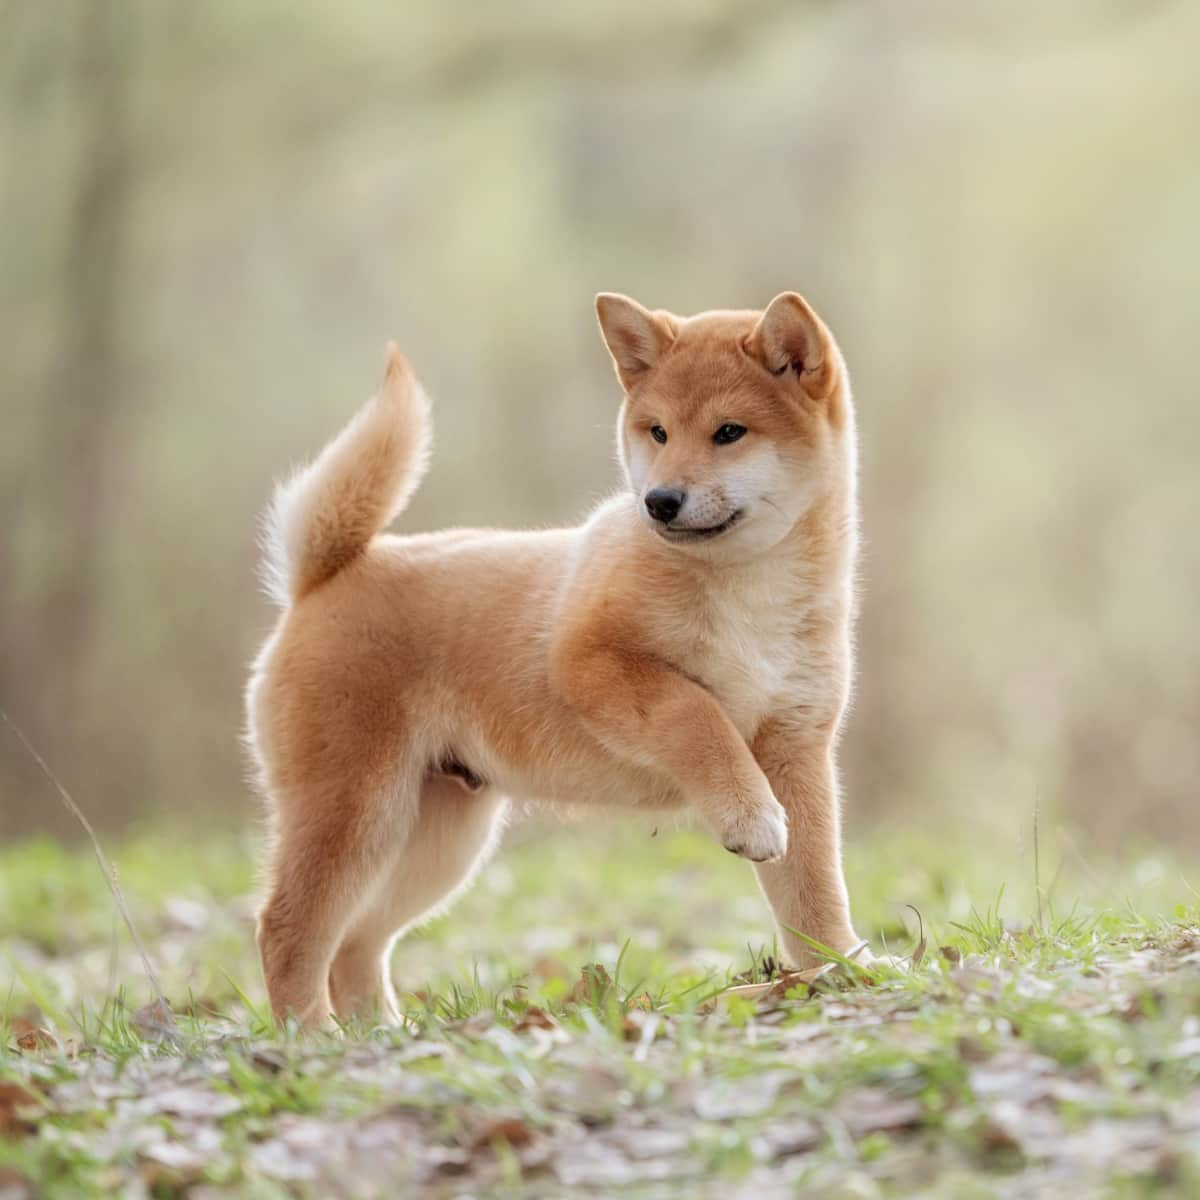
<point>332,850</point>
<point>455,831</point>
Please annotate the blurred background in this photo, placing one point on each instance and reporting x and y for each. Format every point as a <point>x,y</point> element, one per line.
<point>215,215</point>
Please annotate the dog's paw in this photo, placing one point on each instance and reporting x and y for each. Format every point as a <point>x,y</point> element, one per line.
<point>888,962</point>
<point>761,835</point>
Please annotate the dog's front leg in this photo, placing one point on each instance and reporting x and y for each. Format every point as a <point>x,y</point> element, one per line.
<point>647,713</point>
<point>806,889</point>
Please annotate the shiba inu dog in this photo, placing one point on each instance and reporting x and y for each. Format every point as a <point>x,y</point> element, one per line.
<point>688,645</point>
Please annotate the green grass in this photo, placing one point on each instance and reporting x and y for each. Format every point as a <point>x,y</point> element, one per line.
<point>568,1031</point>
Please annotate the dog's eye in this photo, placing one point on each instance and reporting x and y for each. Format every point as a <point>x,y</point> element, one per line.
<point>728,432</point>
<point>658,433</point>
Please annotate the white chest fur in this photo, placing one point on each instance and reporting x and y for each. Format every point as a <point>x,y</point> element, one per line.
<point>767,638</point>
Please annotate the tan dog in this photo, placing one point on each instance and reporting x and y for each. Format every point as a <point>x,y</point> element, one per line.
<point>688,645</point>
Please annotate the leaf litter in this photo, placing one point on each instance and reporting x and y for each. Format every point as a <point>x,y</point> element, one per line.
<point>571,1101</point>
<point>1075,1061</point>
<point>1076,1057</point>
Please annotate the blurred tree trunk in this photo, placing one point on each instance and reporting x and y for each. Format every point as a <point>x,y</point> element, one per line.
<point>82,434</point>
<point>78,442</point>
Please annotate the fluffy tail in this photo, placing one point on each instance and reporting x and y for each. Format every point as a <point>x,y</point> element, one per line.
<point>323,516</point>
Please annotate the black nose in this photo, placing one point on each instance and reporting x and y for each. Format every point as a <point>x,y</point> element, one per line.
<point>663,503</point>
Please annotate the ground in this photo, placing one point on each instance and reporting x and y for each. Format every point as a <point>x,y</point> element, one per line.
<point>572,1031</point>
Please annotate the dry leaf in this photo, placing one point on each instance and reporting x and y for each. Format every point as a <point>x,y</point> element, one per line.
<point>194,1102</point>
<point>1014,1073</point>
<point>797,1135</point>
<point>726,1099</point>
<point>19,1025</point>
<point>535,1018</point>
<point>268,1059</point>
<point>37,1040</point>
<point>589,1091</point>
<point>919,953</point>
<point>598,1164</point>
<point>14,1185</point>
<point>778,988</point>
<point>996,1138</point>
<point>178,1156</point>
<point>591,986</point>
<point>447,1160</point>
<point>276,1160</point>
<point>475,1026</point>
<point>34,1039</point>
<point>511,1130</point>
<point>652,1143</point>
<point>15,1101</point>
<point>873,1110</point>
<point>155,1021</point>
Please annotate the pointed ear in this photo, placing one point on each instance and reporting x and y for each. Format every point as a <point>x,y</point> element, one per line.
<point>791,338</point>
<point>635,337</point>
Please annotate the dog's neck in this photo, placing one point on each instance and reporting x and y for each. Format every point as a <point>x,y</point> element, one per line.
<point>810,569</point>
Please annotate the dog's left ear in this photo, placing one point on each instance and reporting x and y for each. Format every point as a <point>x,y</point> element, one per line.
<point>790,339</point>
<point>635,337</point>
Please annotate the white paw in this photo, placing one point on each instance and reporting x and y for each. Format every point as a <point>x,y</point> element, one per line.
<point>761,834</point>
<point>893,962</point>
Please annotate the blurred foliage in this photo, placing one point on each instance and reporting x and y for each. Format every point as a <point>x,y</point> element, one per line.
<point>215,215</point>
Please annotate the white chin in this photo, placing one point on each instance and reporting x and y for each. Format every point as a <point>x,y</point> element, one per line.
<point>683,535</point>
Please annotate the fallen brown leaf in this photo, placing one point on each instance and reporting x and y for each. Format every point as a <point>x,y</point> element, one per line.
<point>535,1018</point>
<point>873,1110</point>
<point>155,1021</point>
<point>777,988</point>
<point>512,1130</point>
<point>163,1179</point>
<point>268,1059</point>
<point>598,1166</point>
<point>34,1039</point>
<point>919,952</point>
<point>652,1142</point>
<point>173,1159</point>
<point>276,1160</point>
<point>15,1102</point>
<point>18,1025</point>
<point>194,1102</point>
<point>476,1025</point>
<point>591,986</point>
<point>747,1096</point>
<point>796,1135</point>
<point>996,1138</point>
<point>14,1185</point>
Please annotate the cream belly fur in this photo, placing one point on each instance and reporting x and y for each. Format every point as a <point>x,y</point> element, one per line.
<point>692,651</point>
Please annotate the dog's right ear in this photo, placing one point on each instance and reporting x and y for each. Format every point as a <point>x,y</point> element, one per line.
<point>635,337</point>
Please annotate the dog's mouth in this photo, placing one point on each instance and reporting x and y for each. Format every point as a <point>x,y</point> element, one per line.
<point>685,533</point>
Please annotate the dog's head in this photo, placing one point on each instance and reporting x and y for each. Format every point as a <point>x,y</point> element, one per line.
<point>733,424</point>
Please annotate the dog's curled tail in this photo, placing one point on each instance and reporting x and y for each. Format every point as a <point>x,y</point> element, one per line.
<point>322,518</point>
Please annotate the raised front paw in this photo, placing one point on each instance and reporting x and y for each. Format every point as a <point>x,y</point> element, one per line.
<point>759,833</point>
